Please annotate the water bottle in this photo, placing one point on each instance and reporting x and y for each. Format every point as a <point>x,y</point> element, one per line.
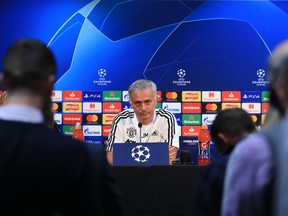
<point>204,139</point>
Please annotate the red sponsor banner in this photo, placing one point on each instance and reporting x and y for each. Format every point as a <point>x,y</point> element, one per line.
<point>265,107</point>
<point>231,96</point>
<point>72,118</point>
<point>191,107</point>
<point>190,130</point>
<point>72,96</point>
<point>112,107</point>
<point>106,130</point>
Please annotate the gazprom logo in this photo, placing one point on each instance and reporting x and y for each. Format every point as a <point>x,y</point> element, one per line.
<point>208,118</point>
<point>92,130</point>
<point>172,107</point>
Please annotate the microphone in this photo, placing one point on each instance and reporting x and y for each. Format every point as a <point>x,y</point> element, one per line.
<point>140,126</point>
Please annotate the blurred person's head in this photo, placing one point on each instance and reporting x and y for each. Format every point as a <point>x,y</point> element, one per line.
<point>143,99</point>
<point>29,70</point>
<point>229,126</point>
<point>278,77</point>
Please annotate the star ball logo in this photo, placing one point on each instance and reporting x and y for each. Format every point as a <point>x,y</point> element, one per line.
<point>181,73</point>
<point>102,81</point>
<point>140,153</point>
<point>261,81</point>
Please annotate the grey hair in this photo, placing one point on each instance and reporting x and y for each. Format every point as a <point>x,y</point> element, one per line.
<point>143,84</point>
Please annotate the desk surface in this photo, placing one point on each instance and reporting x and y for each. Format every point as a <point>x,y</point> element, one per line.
<point>157,190</point>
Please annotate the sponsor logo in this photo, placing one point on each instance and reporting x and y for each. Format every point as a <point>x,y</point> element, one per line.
<point>256,118</point>
<point>208,118</point>
<point>57,107</point>
<point>191,96</point>
<point>263,119</point>
<point>72,118</point>
<point>265,96</point>
<point>92,96</point>
<point>230,105</point>
<point>92,130</point>
<point>188,143</point>
<point>56,96</point>
<point>159,96</point>
<point>126,105</point>
<point>190,130</point>
<point>231,96</point>
<point>191,119</point>
<point>94,140</point>
<point>102,81</point>
<point>92,118</point>
<point>155,133</point>
<point>252,107</point>
<point>172,96</point>
<point>112,96</point>
<point>72,95</point>
<point>265,107</point>
<point>58,118</point>
<point>106,130</point>
<point>92,107</point>
<point>211,107</point>
<point>125,96</point>
<point>181,73</point>
<point>108,118</point>
<point>211,96</point>
<point>191,107</point>
<point>75,107</point>
<point>68,130</point>
<point>251,96</point>
<point>172,107</point>
<point>260,82</point>
<point>112,107</point>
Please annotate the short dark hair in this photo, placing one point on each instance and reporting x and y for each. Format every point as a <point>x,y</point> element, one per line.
<point>234,122</point>
<point>27,64</point>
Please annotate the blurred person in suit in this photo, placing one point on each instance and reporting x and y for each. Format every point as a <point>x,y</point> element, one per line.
<point>157,125</point>
<point>257,176</point>
<point>43,172</point>
<point>228,128</point>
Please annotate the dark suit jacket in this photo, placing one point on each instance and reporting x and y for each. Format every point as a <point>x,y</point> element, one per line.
<point>45,173</point>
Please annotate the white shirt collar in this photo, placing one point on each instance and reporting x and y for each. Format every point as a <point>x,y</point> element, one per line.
<point>22,113</point>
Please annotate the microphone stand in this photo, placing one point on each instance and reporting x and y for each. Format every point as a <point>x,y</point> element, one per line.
<point>140,126</point>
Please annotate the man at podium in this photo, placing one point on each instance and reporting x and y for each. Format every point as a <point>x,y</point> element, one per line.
<point>144,123</point>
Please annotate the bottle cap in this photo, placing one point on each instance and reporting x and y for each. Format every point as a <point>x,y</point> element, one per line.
<point>204,126</point>
<point>78,125</point>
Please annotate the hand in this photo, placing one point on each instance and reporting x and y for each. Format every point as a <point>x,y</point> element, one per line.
<point>172,154</point>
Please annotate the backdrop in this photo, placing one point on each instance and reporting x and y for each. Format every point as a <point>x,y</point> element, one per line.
<point>204,56</point>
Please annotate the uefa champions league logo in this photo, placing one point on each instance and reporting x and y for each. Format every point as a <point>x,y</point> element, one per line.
<point>140,153</point>
<point>102,81</point>
<point>181,73</point>
<point>260,73</point>
<point>102,72</point>
<point>261,81</point>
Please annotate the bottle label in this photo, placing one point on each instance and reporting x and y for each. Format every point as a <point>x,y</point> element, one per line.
<point>204,145</point>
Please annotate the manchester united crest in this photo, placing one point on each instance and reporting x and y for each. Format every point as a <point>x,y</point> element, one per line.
<point>131,132</point>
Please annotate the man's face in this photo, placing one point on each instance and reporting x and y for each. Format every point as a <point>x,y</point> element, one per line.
<point>143,104</point>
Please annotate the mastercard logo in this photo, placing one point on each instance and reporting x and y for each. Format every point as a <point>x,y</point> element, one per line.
<point>211,107</point>
<point>92,118</point>
<point>55,106</point>
<point>254,118</point>
<point>171,95</point>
